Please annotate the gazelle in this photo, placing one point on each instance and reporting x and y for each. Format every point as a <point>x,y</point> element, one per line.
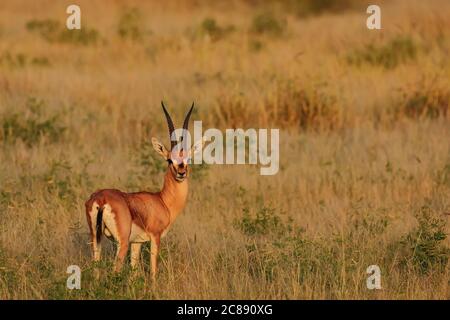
<point>134,218</point>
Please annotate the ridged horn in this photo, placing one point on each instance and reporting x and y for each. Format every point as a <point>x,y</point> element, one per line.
<point>170,125</point>
<point>186,119</point>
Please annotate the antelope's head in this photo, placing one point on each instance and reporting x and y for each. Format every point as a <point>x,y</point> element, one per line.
<point>178,157</point>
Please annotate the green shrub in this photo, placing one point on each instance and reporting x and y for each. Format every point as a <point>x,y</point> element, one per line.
<point>130,25</point>
<point>421,100</point>
<point>268,23</point>
<point>273,246</point>
<point>9,278</point>
<point>47,28</point>
<point>210,28</point>
<point>314,7</point>
<point>255,45</point>
<point>426,102</point>
<point>215,31</point>
<point>59,180</point>
<point>389,56</point>
<point>5,199</point>
<point>264,222</point>
<point>20,60</point>
<point>32,127</point>
<point>53,31</point>
<point>84,36</point>
<point>423,249</point>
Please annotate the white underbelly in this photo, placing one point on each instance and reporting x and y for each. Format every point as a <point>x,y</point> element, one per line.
<point>138,234</point>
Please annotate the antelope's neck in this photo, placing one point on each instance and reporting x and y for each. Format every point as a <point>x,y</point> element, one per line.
<point>174,195</point>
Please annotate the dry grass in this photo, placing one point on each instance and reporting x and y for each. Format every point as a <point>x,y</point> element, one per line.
<point>365,149</point>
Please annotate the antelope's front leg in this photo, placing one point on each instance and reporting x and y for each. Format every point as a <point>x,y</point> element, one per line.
<point>154,254</point>
<point>135,254</point>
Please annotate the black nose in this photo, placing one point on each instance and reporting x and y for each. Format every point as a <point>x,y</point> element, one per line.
<point>182,173</point>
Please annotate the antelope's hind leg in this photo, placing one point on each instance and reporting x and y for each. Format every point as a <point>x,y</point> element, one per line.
<point>94,219</point>
<point>135,255</point>
<point>155,242</point>
<point>120,232</point>
<point>122,249</point>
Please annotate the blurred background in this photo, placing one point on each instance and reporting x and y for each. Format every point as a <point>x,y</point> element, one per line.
<point>365,155</point>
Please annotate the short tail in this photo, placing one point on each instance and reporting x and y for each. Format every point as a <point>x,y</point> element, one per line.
<point>99,225</point>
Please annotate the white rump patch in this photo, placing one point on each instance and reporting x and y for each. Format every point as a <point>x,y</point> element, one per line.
<point>93,213</point>
<point>110,222</point>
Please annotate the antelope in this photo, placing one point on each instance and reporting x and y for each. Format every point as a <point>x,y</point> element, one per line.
<point>130,219</point>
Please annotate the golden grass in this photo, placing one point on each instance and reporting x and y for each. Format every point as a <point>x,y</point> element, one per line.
<point>365,148</point>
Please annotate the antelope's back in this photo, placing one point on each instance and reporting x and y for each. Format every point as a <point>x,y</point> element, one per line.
<point>113,197</point>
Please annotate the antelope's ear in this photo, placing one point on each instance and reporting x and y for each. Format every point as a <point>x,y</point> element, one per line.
<point>197,147</point>
<point>159,147</point>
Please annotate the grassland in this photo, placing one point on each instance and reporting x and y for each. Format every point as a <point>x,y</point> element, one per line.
<point>365,149</point>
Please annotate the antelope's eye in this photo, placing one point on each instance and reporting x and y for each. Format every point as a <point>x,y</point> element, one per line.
<point>170,161</point>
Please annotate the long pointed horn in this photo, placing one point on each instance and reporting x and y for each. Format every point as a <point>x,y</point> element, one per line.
<point>170,125</point>
<point>186,119</point>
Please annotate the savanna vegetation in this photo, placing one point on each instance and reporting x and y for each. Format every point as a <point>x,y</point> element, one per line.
<point>364,145</point>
